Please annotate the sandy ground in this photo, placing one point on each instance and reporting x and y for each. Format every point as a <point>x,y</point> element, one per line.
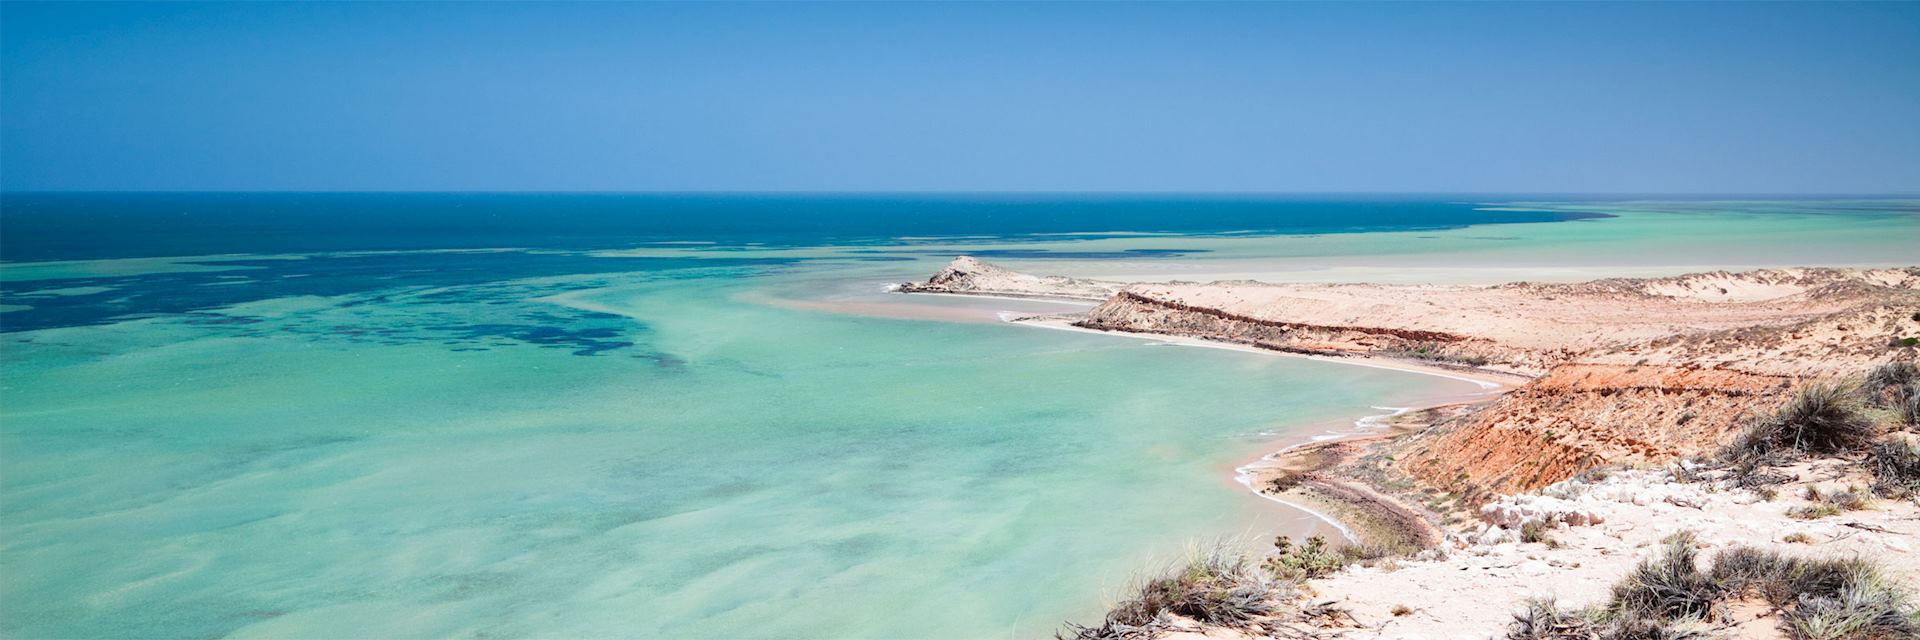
<point>1697,342</point>
<point>1822,320</point>
<point>1486,578</point>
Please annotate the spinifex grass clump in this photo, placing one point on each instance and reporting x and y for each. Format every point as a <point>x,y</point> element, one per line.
<point>1668,597</point>
<point>1896,386</point>
<point>1896,468</point>
<point>1891,380</point>
<point>1215,585</point>
<point>1821,598</point>
<point>1831,503</point>
<point>1544,620</point>
<point>1822,419</point>
<point>1668,586</point>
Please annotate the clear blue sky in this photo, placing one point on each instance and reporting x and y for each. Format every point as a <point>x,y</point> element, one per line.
<point>1728,98</point>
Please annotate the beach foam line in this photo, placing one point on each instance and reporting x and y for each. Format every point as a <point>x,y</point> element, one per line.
<point>1244,473</point>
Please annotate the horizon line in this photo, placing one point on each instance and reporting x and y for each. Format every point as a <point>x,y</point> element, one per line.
<point>1035,192</point>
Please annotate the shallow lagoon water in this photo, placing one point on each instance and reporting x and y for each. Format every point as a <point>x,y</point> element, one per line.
<point>740,471</point>
<point>551,443</point>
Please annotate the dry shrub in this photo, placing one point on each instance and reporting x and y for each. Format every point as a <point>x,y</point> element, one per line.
<point>1667,596</point>
<point>1216,585</point>
<point>1544,620</point>
<point>1821,419</point>
<point>1668,586</point>
<point>1896,468</point>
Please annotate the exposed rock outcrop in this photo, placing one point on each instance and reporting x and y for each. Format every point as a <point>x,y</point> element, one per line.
<point>969,275</point>
<point>1582,416</point>
<point>1628,370</point>
<point>1776,321</point>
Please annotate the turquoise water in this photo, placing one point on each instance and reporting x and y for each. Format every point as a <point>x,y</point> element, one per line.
<point>681,441</point>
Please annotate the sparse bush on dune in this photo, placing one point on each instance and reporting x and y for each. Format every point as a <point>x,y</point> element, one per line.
<point>1831,503</point>
<point>1892,375</point>
<point>1896,468</point>
<point>1668,586</point>
<point>1821,598</point>
<point>1669,597</point>
<point>1315,558</point>
<point>1896,386</point>
<point>1220,585</point>
<point>1367,552</point>
<point>1433,352</point>
<point>1216,585</point>
<point>1311,559</point>
<point>1537,531</point>
<point>1822,419</point>
<point>1544,620</point>
<point>1874,610</point>
<point>1781,579</point>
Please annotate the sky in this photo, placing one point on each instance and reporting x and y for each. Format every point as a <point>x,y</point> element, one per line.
<point>796,96</point>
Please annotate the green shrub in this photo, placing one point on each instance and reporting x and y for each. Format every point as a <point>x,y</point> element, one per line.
<point>1314,559</point>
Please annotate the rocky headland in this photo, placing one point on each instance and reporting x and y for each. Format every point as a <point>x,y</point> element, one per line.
<point>1636,391</point>
<point>966,275</point>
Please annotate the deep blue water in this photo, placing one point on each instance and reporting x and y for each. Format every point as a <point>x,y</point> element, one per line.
<point>66,226</point>
<point>70,226</point>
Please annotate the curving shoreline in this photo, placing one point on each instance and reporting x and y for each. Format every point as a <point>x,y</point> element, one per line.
<point>1361,524</point>
<point>1599,400</point>
<point>1612,371</point>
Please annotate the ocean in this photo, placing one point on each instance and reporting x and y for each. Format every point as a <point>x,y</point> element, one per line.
<point>693,415</point>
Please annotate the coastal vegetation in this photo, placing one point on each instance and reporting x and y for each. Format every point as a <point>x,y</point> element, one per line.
<point>1823,418</point>
<point>1635,424</point>
<point>1217,584</point>
<point>1840,419</point>
<point>1433,352</point>
<point>1895,386</point>
<point>1896,468</point>
<point>1221,585</point>
<point>1668,596</point>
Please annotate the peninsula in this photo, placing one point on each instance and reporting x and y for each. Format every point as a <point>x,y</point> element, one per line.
<point>1758,412</point>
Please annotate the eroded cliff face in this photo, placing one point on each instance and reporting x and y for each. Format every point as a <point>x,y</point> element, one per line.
<point>1627,370</point>
<point>1141,313</point>
<point>1592,404</point>
<point>1583,416</point>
